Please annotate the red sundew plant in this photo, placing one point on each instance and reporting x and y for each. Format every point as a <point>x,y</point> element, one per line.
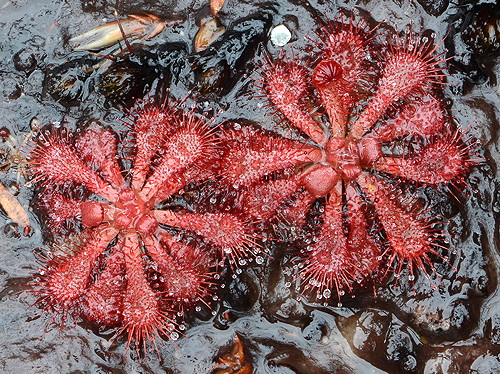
<point>129,268</point>
<point>369,106</point>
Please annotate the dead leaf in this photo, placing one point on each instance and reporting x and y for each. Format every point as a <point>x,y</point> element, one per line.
<point>14,209</point>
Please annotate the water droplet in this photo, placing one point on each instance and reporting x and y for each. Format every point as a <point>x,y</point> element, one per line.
<point>327,293</point>
<point>259,260</point>
<point>174,336</point>
<point>242,262</point>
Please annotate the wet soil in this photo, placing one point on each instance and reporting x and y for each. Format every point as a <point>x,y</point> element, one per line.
<point>400,327</point>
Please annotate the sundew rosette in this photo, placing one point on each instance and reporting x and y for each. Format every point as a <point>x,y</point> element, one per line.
<point>132,262</point>
<point>368,104</point>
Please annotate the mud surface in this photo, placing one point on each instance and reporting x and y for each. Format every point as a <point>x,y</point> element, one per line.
<point>406,328</point>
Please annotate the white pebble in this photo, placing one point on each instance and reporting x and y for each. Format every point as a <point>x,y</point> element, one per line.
<point>280,35</point>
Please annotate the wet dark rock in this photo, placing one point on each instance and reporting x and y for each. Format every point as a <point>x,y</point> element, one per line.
<point>434,7</point>
<point>12,230</point>
<point>93,5</point>
<point>473,45</point>
<point>212,79</point>
<point>242,293</point>
<point>290,359</point>
<point>25,60</point>
<point>381,339</point>
<point>293,312</point>
<point>172,58</point>
<point>444,203</point>
<point>401,349</point>
<point>316,330</point>
<point>492,327</point>
<point>486,364</point>
<point>475,357</point>
<point>230,57</point>
<point>125,81</point>
<point>279,297</point>
<point>442,364</point>
<point>481,29</point>
<point>448,318</point>
<point>11,87</point>
<point>66,83</point>
<point>496,200</point>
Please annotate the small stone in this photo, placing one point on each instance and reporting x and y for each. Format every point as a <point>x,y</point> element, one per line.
<point>280,35</point>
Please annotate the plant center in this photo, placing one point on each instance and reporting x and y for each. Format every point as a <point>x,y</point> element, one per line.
<point>133,213</point>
